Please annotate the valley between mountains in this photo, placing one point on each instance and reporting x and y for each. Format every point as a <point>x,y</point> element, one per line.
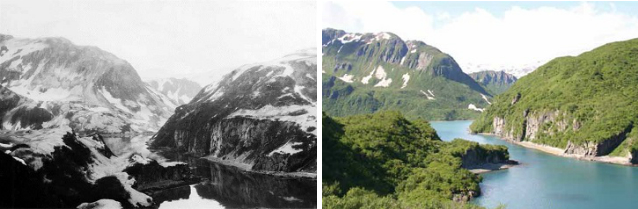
<point>80,128</point>
<point>379,91</point>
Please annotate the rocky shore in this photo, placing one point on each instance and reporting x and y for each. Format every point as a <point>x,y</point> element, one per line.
<point>561,152</point>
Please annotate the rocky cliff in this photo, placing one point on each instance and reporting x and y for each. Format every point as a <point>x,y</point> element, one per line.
<point>364,73</point>
<point>584,105</point>
<point>260,117</point>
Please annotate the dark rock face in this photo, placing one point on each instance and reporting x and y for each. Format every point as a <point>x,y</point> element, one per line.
<point>592,149</point>
<point>171,194</point>
<point>153,176</point>
<point>248,116</point>
<point>106,151</point>
<point>61,181</point>
<point>21,187</point>
<point>634,156</point>
<point>478,156</point>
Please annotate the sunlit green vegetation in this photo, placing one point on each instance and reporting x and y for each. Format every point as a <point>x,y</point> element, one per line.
<point>384,160</point>
<point>595,94</point>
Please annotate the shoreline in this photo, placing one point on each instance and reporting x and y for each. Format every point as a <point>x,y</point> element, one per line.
<point>247,168</point>
<point>561,152</point>
<point>491,167</point>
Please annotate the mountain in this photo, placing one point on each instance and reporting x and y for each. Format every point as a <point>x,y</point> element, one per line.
<point>179,90</point>
<point>54,168</point>
<point>584,105</point>
<point>384,160</point>
<point>516,70</point>
<point>259,117</point>
<point>494,82</point>
<point>365,73</point>
<point>53,83</point>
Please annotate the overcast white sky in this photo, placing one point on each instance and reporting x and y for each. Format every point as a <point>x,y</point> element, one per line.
<point>170,38</point>
<point>494,33</point>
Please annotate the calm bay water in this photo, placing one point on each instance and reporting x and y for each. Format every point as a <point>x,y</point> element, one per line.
<point>547,181</point>
<point>225,186</point>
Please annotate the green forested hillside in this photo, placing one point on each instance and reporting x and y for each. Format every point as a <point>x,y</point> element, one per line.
<point>384,160</point>
<point>365,73</point>
<point>586,104</point>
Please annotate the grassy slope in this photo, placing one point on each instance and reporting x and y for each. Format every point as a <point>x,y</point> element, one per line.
<point>452,97</point>
<point>598,89</point>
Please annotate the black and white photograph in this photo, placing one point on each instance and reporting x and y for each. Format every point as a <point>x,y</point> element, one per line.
<point>158,104</point>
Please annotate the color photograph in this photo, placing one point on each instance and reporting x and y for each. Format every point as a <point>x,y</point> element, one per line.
<point>479,104</point>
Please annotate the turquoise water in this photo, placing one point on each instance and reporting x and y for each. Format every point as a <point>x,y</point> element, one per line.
<point>547,181</point>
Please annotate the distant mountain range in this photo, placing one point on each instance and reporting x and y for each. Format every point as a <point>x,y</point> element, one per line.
<point>365,73</point>
<point>54,83</point>
<point>495,82</point>
<point>516,70</point>
<point>179,90</point>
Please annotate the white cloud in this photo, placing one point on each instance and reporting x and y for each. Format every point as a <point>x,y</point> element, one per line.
<point>517,37</point>
<point>163,38</point>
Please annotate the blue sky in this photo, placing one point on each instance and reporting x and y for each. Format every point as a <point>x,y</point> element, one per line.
<point>499,7</point>
<point>509,34</point>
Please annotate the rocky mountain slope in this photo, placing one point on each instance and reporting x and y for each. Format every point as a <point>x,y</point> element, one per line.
<point>260,117</point>
<point>495,82</point>
<point>515,70</point>
<point>364,73</point>
<point>584,105</point>
<point>58,169</point>
<point>180,91</point>
<point>52,83</point>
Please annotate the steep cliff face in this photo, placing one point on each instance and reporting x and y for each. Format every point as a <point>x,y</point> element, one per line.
<point>364,73</point>
<point>79,86</point>
<point>584,105</point>
<point>260,117</point>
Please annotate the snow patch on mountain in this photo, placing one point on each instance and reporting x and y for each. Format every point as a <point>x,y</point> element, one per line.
<point>349,37</point>
<point>473,107</point>
<point>485,98</point>
<point>381,74</point>
<point>405,78</point>
<point>366,79</point>
<point>287,148</point>
<point>304,115</point>
<point>101,204</point>
<point>382,36</point>
<point>428,94</point>
<point>346,78</point>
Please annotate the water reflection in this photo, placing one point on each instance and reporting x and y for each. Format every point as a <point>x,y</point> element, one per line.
<point>226,186</point>
<point>236,188</point>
